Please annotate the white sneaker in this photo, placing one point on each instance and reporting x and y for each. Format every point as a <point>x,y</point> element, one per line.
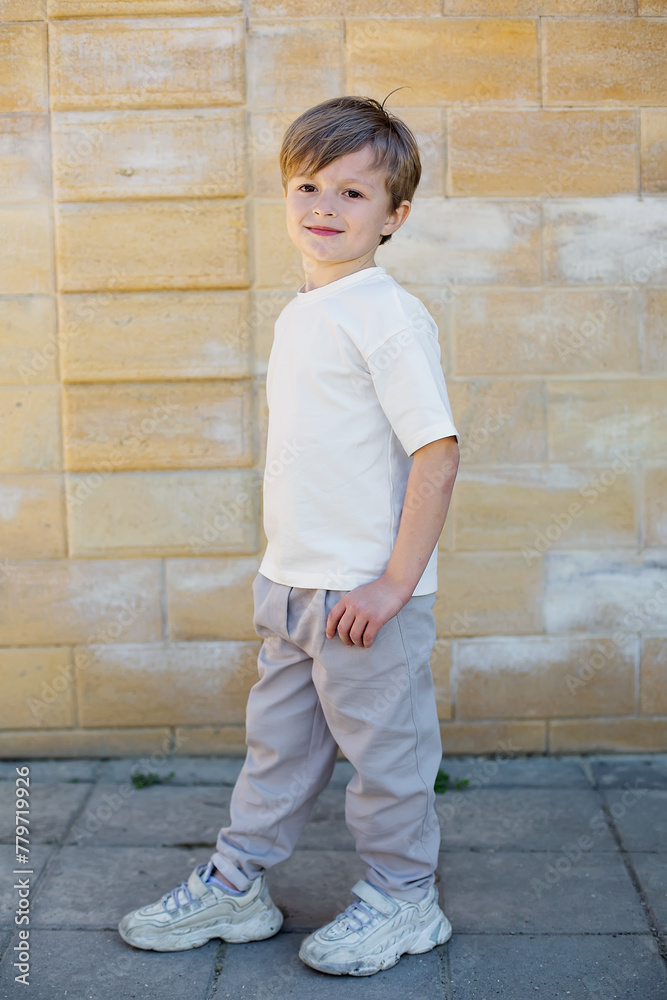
<point>373,934</point>
<point>196,911</point>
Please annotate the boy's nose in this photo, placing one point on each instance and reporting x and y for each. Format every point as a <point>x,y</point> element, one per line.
<point>323,207</point>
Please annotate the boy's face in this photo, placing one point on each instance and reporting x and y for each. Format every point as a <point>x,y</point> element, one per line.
<point>348,198</point>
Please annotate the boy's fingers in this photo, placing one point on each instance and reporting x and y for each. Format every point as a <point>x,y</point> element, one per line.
<point>333,619</point>
<point>345,627</point>
<point>366,634</point>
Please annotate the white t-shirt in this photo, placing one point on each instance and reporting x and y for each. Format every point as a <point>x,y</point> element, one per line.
<point>354,386</point>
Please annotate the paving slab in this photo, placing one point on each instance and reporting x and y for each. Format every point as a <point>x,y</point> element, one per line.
<point>195,771</point>
<point>266,970</point>
<point>52,770</point>
<point>163,815</point>
<point>155,816</point>
<point>90,965</point>
<point>312,887</point>
<point>52,808</point>
<point>540,772</point>
<point>529,819</point>
<point>508,892</point>
<point>342,774</point>
<point>558,966</point>
<point>93,887</point>
<point>629,770</point>
<point>651,871</point>
<point>39,855</point>
<point>326,826</point>
<point>535,911</point>
<point>640,817</point>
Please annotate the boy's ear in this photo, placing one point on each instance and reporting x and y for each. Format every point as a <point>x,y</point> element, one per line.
<point>397,217</point>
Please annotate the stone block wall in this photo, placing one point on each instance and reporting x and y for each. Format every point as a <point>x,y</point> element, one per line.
<point>143,261</point>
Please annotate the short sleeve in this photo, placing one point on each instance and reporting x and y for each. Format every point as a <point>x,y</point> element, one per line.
<point>411,389</point>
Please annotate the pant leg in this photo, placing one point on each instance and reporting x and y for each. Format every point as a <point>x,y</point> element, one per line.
<point>379,704</point>
<point>291,752</point>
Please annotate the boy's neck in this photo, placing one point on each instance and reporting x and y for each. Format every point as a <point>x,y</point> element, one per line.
<point>318,274</point>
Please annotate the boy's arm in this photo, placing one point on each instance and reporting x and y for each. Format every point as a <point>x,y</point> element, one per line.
<point>427,496</point>
<point>361,613</point>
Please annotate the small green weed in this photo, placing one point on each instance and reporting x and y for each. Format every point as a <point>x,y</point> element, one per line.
<point>144,779</point>
<point>443,782</point>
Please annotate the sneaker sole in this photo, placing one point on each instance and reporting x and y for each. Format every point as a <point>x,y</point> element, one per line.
<point>438,932</point>
<point>258,928</point>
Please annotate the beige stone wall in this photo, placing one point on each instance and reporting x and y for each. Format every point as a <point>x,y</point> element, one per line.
<point>143,260</point>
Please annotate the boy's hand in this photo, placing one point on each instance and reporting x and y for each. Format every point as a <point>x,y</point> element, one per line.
<point>361,613</point>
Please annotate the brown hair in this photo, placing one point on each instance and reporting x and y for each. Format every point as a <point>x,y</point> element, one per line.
<point>345,124</point>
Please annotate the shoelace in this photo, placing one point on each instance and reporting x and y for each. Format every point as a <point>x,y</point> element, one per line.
<point>358,905</point>
<point>173,895</point>
<point>183,887</point>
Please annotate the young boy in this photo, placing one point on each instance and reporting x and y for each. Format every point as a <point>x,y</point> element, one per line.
<point>362,435</point>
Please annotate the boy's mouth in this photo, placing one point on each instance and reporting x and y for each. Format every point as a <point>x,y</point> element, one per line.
<point>323,230</point>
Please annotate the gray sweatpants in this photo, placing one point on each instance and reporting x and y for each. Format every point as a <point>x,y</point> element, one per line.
<point>316,694</point>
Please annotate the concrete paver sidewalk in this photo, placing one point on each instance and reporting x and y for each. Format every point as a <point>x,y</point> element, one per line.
<point>553,872</point>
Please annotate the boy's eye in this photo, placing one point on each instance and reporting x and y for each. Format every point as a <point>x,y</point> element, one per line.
<point>351,190</point>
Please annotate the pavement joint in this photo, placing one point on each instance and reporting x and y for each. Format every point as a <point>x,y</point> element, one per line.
<point>216,972</point>
<point>649,912</point>
<point>445,972</point>
<point>651,917</point>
